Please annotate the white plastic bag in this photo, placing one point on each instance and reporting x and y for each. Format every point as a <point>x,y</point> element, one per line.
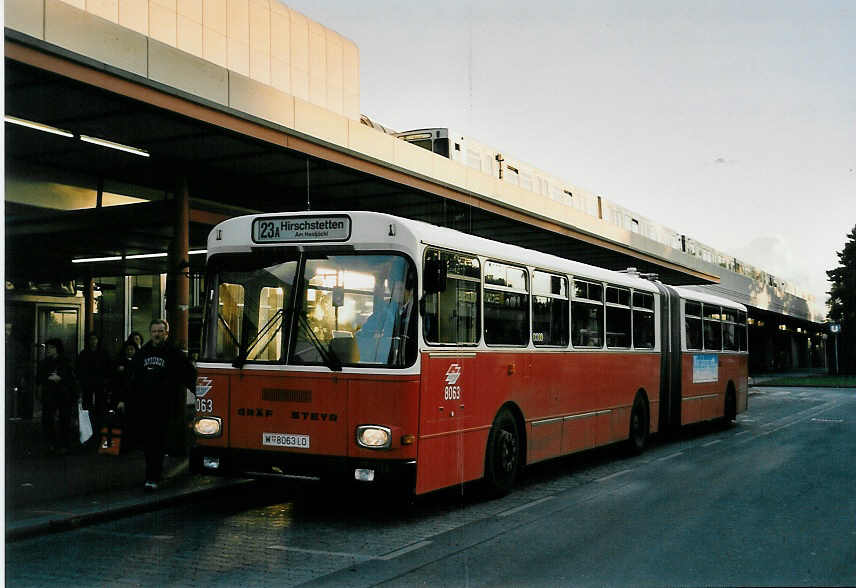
<point>85,423</point>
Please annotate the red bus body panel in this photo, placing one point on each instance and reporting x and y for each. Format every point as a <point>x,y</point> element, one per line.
<point>326,407</point>
<point>567,401</point>
<point>704,401</point>
<point>570,401</point>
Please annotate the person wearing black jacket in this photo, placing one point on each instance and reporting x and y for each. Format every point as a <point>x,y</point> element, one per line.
<point>93,372</point>
<point>161,374</point>
<point>120,389</point>
<point>59,390</point>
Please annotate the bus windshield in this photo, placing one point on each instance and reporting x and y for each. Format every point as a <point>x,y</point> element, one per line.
<point>352,309</point>
<point>248,308</point>
<point>358,308</point>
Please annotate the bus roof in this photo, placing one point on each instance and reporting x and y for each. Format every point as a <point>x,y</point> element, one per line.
<point>372,229</point>
<point>695,295</point>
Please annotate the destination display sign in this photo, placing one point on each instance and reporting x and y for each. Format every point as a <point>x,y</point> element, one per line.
<point>275,229</point>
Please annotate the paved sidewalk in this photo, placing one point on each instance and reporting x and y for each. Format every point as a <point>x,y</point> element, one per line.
<point>47,493</point>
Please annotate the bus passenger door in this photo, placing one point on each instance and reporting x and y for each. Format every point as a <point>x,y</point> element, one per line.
<point>447,396</point>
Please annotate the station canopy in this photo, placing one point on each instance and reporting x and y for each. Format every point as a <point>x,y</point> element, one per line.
<point>121,204</point>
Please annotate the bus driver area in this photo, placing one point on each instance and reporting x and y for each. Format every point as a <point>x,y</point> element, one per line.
<point>381,349</point>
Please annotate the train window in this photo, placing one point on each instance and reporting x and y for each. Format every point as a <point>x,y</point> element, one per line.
<point>712,327</point>
<point>452,316</point>
<point>587,315</point>
<point>643,320</point>
<point>692,325</point>
<point>423,143</point>
<point>550,309</point>
<point>506,304</point>
<point>441,147</point>
<point>617,317</point>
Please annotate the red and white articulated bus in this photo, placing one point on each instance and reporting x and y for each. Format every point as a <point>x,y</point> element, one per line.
<point>364,346</point>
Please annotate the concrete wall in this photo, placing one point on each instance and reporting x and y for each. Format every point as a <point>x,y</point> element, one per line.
<point>262,40</point>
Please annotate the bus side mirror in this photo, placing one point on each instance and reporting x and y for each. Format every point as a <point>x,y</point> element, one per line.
<point>338,296</point>
<point>435,276</point>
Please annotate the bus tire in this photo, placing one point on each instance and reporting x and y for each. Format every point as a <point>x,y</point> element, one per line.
<point>639,423</point>
<point>730,415</point>
<point>503,454</point>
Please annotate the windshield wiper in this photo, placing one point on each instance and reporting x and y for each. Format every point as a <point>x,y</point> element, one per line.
<point>331,360</point>
<point>229,330</point>
<point>245,353</point>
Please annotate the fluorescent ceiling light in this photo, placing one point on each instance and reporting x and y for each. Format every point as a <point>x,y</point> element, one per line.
<point>89,259</point>
<point>134,256</point>
<point>38,126</point>
<point>145,255</point>
<point>114,145</point>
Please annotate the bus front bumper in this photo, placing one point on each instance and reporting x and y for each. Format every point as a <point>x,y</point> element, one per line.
<point>274,464</point>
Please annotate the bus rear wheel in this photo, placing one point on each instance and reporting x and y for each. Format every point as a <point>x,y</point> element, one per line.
<point>503,456</point>
<point>730,408</point>
<point>638,439</point>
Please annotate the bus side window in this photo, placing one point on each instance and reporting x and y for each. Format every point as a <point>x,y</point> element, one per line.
<point>452,315</point>
<point>729,330</point>
<point>506,304</point>
<point>587,314</point>
<point>692,324</point>
<point>643,320</point>
<point>549,309</point>
<point>712,327</point>
<point>617,317</point>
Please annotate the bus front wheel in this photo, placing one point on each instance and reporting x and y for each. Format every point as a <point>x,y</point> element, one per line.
<point>503,458</point>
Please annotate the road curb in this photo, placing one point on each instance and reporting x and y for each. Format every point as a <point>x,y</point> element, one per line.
<point>150,503</point>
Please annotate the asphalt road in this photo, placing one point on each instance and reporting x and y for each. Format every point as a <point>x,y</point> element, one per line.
<point>767,502</point>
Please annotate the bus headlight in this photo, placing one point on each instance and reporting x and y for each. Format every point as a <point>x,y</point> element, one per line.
<point>208,426</point>
<point>374,437</point>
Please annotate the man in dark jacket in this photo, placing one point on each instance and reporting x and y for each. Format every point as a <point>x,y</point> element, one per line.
<point>59,390</point>
<point>161,373</point>
<point>93,370</point>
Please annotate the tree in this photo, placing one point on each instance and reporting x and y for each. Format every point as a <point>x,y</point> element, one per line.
<point>842,304</point>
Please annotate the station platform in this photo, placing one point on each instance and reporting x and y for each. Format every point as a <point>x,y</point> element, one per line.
<point>47,493</point>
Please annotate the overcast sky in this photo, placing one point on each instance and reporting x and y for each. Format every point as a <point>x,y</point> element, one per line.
<point>733,122</point>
